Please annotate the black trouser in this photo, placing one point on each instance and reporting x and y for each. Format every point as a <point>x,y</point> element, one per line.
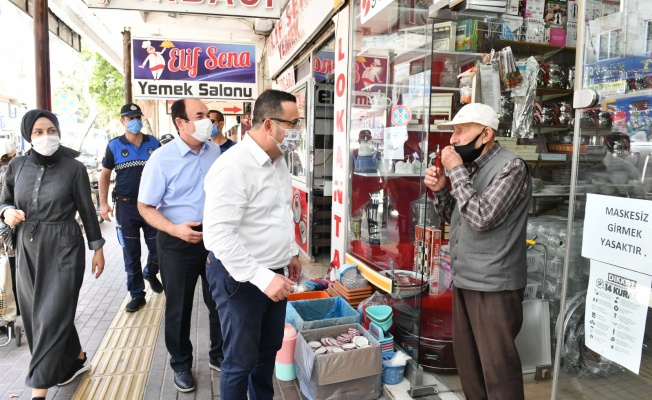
<point>181,264</point>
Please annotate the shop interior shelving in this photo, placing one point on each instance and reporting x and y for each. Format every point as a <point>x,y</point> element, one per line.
<point>540,51</point>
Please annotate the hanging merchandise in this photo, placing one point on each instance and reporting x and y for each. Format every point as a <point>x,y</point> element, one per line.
<point>466,85</point>
<point>490,80</point>
<point>510,75</point>
<point>524,101</point>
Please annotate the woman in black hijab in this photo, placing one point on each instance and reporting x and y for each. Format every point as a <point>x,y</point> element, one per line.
<point>43,192</point>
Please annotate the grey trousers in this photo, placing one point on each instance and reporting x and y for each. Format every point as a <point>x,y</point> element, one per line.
<point>50,271</point>
<point>485,325</point>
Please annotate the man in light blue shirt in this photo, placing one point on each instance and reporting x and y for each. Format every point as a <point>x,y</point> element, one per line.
<point>171,199</point>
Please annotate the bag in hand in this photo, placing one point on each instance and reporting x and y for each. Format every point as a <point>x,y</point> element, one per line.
<point>8,235</point>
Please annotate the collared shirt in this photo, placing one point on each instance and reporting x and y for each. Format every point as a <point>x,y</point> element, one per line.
<point>483,211</point>
<point>173,180</point>
<point>248,221</point>
<point>128,162</point>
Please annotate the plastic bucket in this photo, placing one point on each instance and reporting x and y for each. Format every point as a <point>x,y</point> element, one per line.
<point>392,375</point>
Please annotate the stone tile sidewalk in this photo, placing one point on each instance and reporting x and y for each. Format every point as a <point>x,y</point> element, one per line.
<point>99,302</point>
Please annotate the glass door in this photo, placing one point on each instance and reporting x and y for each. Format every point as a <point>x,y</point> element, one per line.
<point>604,331</point>
<point>321,157</point>
<point>298,163</point>
<point>389,98</point>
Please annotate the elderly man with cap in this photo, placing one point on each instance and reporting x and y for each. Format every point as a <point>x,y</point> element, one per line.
<point>487,210</point>
<point>127,155</point>
<point>43,192</point>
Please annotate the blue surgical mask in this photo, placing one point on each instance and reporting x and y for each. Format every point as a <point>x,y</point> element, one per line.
<point>134,126</point>
<point>214,132</point>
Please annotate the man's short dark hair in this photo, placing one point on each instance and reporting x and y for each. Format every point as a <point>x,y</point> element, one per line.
<point>178,110</point>
<point>220,116</point>
<point>269,104</point>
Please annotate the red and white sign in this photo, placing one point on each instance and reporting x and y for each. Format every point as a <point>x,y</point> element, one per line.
<point>340,206</point>
<point>300,20</point>
<point>369,8</point>
<point>400,116</point>
<point>286,80</point>
<point>232,8</point>
<point>227,107</point>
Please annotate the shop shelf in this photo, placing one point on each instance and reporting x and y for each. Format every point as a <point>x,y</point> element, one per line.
<point>390,175</point>
<point>541,49</point>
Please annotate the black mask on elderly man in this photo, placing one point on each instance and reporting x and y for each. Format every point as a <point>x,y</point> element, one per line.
<point>468,152</point>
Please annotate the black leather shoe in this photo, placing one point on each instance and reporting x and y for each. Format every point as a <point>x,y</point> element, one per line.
<point>155,284</point>
<point>184,381</point>
<point>216,365</point>
<point>135,304</point>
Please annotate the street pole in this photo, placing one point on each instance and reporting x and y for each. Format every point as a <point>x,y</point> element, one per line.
<point>42,54</point>
<point>126,63</point>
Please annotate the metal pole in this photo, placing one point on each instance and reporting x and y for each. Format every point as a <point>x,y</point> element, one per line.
<point>42,55</point>
<point>126,62</point>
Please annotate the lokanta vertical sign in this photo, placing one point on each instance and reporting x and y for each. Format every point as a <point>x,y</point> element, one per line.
<point>340,140</point>
<point>173,68</point>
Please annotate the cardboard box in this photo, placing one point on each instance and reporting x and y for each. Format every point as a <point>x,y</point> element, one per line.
<point>535,30</point>
<point>309,314</point>
<point>556,13</point>
<point>427,250</point>
<point>534,9</point>
<point>469,35</point>
<point>571,34</point>
<point>557,36</point>
<point>354,374</point>
<point>573,9</point>
<point>512,7</point>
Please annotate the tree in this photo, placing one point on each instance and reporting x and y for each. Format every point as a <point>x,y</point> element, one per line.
<point>106,88</point>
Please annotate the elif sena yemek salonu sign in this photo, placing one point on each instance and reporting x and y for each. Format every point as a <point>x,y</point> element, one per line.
<point>174,69</point>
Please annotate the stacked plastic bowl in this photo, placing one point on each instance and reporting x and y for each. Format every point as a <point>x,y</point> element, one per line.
<point>285,370</point>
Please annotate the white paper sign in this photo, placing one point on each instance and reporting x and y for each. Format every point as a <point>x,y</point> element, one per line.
<point>395,137</point>
<point>616,310</point>
<point>619,232</point>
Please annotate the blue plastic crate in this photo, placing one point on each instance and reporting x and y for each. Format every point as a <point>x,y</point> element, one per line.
<point>320,313</point>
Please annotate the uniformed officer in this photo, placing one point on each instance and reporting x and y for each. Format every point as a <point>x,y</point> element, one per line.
<point>128,154</point>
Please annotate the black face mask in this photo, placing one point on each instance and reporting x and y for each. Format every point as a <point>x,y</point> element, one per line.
<point>468,152</point>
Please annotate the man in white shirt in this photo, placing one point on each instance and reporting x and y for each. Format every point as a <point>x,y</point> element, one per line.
<point>249,229</point>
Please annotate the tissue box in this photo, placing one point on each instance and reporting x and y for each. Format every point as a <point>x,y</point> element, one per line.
<point>354,374</point>
<point>319,313</point>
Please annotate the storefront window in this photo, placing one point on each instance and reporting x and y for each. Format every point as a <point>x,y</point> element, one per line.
<point>604,333</point>
<point>296,160</point>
